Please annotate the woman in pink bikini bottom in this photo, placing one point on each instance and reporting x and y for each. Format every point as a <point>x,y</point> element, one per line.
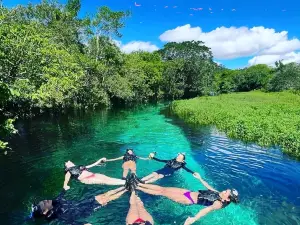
<point>83,174</point>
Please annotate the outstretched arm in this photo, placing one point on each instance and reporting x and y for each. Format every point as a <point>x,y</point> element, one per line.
<point>197,176</point>
<point>160,160</point>
<point>67,179</point>
<point>96,163</point>
<point>190,220</point>
<point>142,158</point>
<point>110,160</point>
<point>188,170</point>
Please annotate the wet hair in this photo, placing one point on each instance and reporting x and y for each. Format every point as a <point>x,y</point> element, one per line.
<point>36,211</point>
<point>182,155</point>
<point>146,223</point>
<point>39,209</point>
<point>234,196</point>
<point>129,149</point>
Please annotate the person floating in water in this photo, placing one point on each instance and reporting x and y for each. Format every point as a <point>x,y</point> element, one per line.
<point>70,212</point>
<point>83,174</point>
<point>213,199</point>
<point>168,170</point>
<point>129,162</point>
<point>137,214</point>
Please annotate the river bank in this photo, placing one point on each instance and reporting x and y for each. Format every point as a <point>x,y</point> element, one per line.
<point>268,119</point>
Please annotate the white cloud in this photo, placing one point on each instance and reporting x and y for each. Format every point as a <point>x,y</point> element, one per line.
<point>136,46</point>
<point>233,42</point>
<point>282,47</point>
<point>271,59</point>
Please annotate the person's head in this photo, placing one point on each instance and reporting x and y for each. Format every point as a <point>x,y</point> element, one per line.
<point>180,157</point>
<point>230,194</point>
<point>142,223</point>
<point>69,164</point>
<point>129,151</point>
<point>42,208</point>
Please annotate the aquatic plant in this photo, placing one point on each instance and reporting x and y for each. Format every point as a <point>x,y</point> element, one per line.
<point>268,119</point>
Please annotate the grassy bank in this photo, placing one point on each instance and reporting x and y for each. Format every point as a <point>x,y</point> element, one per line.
<point>264,118</point>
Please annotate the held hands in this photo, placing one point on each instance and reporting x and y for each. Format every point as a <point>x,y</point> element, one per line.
<point>190,220</point>
<point>197,175</point>
<point>151,155</point>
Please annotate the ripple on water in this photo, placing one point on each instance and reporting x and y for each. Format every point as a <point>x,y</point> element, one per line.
<point>265,178</point>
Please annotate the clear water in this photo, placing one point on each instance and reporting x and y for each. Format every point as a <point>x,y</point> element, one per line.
<point>267,181</point>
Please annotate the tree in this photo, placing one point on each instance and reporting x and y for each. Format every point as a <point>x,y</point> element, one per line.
<point>108,23</point>
<point>198,67</point>
<point>286,77</point>
<point>252,78</point>
<point>6,124</point>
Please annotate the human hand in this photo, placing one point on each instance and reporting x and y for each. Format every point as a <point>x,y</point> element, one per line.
<point>151,155</point>
<point>197,175</point>
<point>190,220</point>
<point>67,187</point>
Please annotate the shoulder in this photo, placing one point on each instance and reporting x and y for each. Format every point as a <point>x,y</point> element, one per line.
<point>217,205</point>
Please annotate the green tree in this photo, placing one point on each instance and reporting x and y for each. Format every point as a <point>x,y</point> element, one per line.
<point>6,124</point>
<point>252,78</point>
<point>107,23</point>
<point>286,77</point>
<point>198,66</point>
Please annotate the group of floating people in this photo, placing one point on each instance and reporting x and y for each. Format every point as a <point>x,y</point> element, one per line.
<point>68,211</point>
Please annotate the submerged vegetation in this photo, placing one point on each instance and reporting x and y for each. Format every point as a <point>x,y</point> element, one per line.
<point>265,118</point>
<point>51,59</point>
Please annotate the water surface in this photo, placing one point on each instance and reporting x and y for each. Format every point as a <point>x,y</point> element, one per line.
<point>267,181</point>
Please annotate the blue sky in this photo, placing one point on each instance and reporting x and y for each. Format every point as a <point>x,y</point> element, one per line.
<point>245,38</point>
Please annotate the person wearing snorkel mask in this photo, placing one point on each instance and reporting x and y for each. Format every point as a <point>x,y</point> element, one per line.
<point>171,166</point>
<point>129,162</point>
<point>71,212</point>
<point>211,198</point>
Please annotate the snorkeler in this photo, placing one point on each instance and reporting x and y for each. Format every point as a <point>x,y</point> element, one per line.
<point>137,214</point>
<point>69,212</point>
<point>129,162</point>
<point>168,170</point>
<point>82,174</point>
<point>213,199</point>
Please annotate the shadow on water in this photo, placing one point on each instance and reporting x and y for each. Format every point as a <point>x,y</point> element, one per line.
<point>267,181</point>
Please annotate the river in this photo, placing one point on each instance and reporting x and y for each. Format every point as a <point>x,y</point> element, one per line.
<point>268,181</point>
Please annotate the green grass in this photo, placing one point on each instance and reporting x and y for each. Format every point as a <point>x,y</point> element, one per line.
<point>268,119</point>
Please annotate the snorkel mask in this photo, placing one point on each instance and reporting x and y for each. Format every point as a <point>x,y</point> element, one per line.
<point>35,211</point>
<point>234,196</point>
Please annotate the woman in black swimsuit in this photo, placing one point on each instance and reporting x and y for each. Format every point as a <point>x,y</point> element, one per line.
<point>70,212</point>
<point>211,198</point>
<point>171,166</point>
<point>129,162</point>
<point>83,174</point>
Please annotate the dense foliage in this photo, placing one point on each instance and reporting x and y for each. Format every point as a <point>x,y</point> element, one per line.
<point>52,59</point>
<point>265,118</point>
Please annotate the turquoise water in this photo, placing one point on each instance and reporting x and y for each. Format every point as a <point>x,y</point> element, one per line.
<point>268,182</point>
